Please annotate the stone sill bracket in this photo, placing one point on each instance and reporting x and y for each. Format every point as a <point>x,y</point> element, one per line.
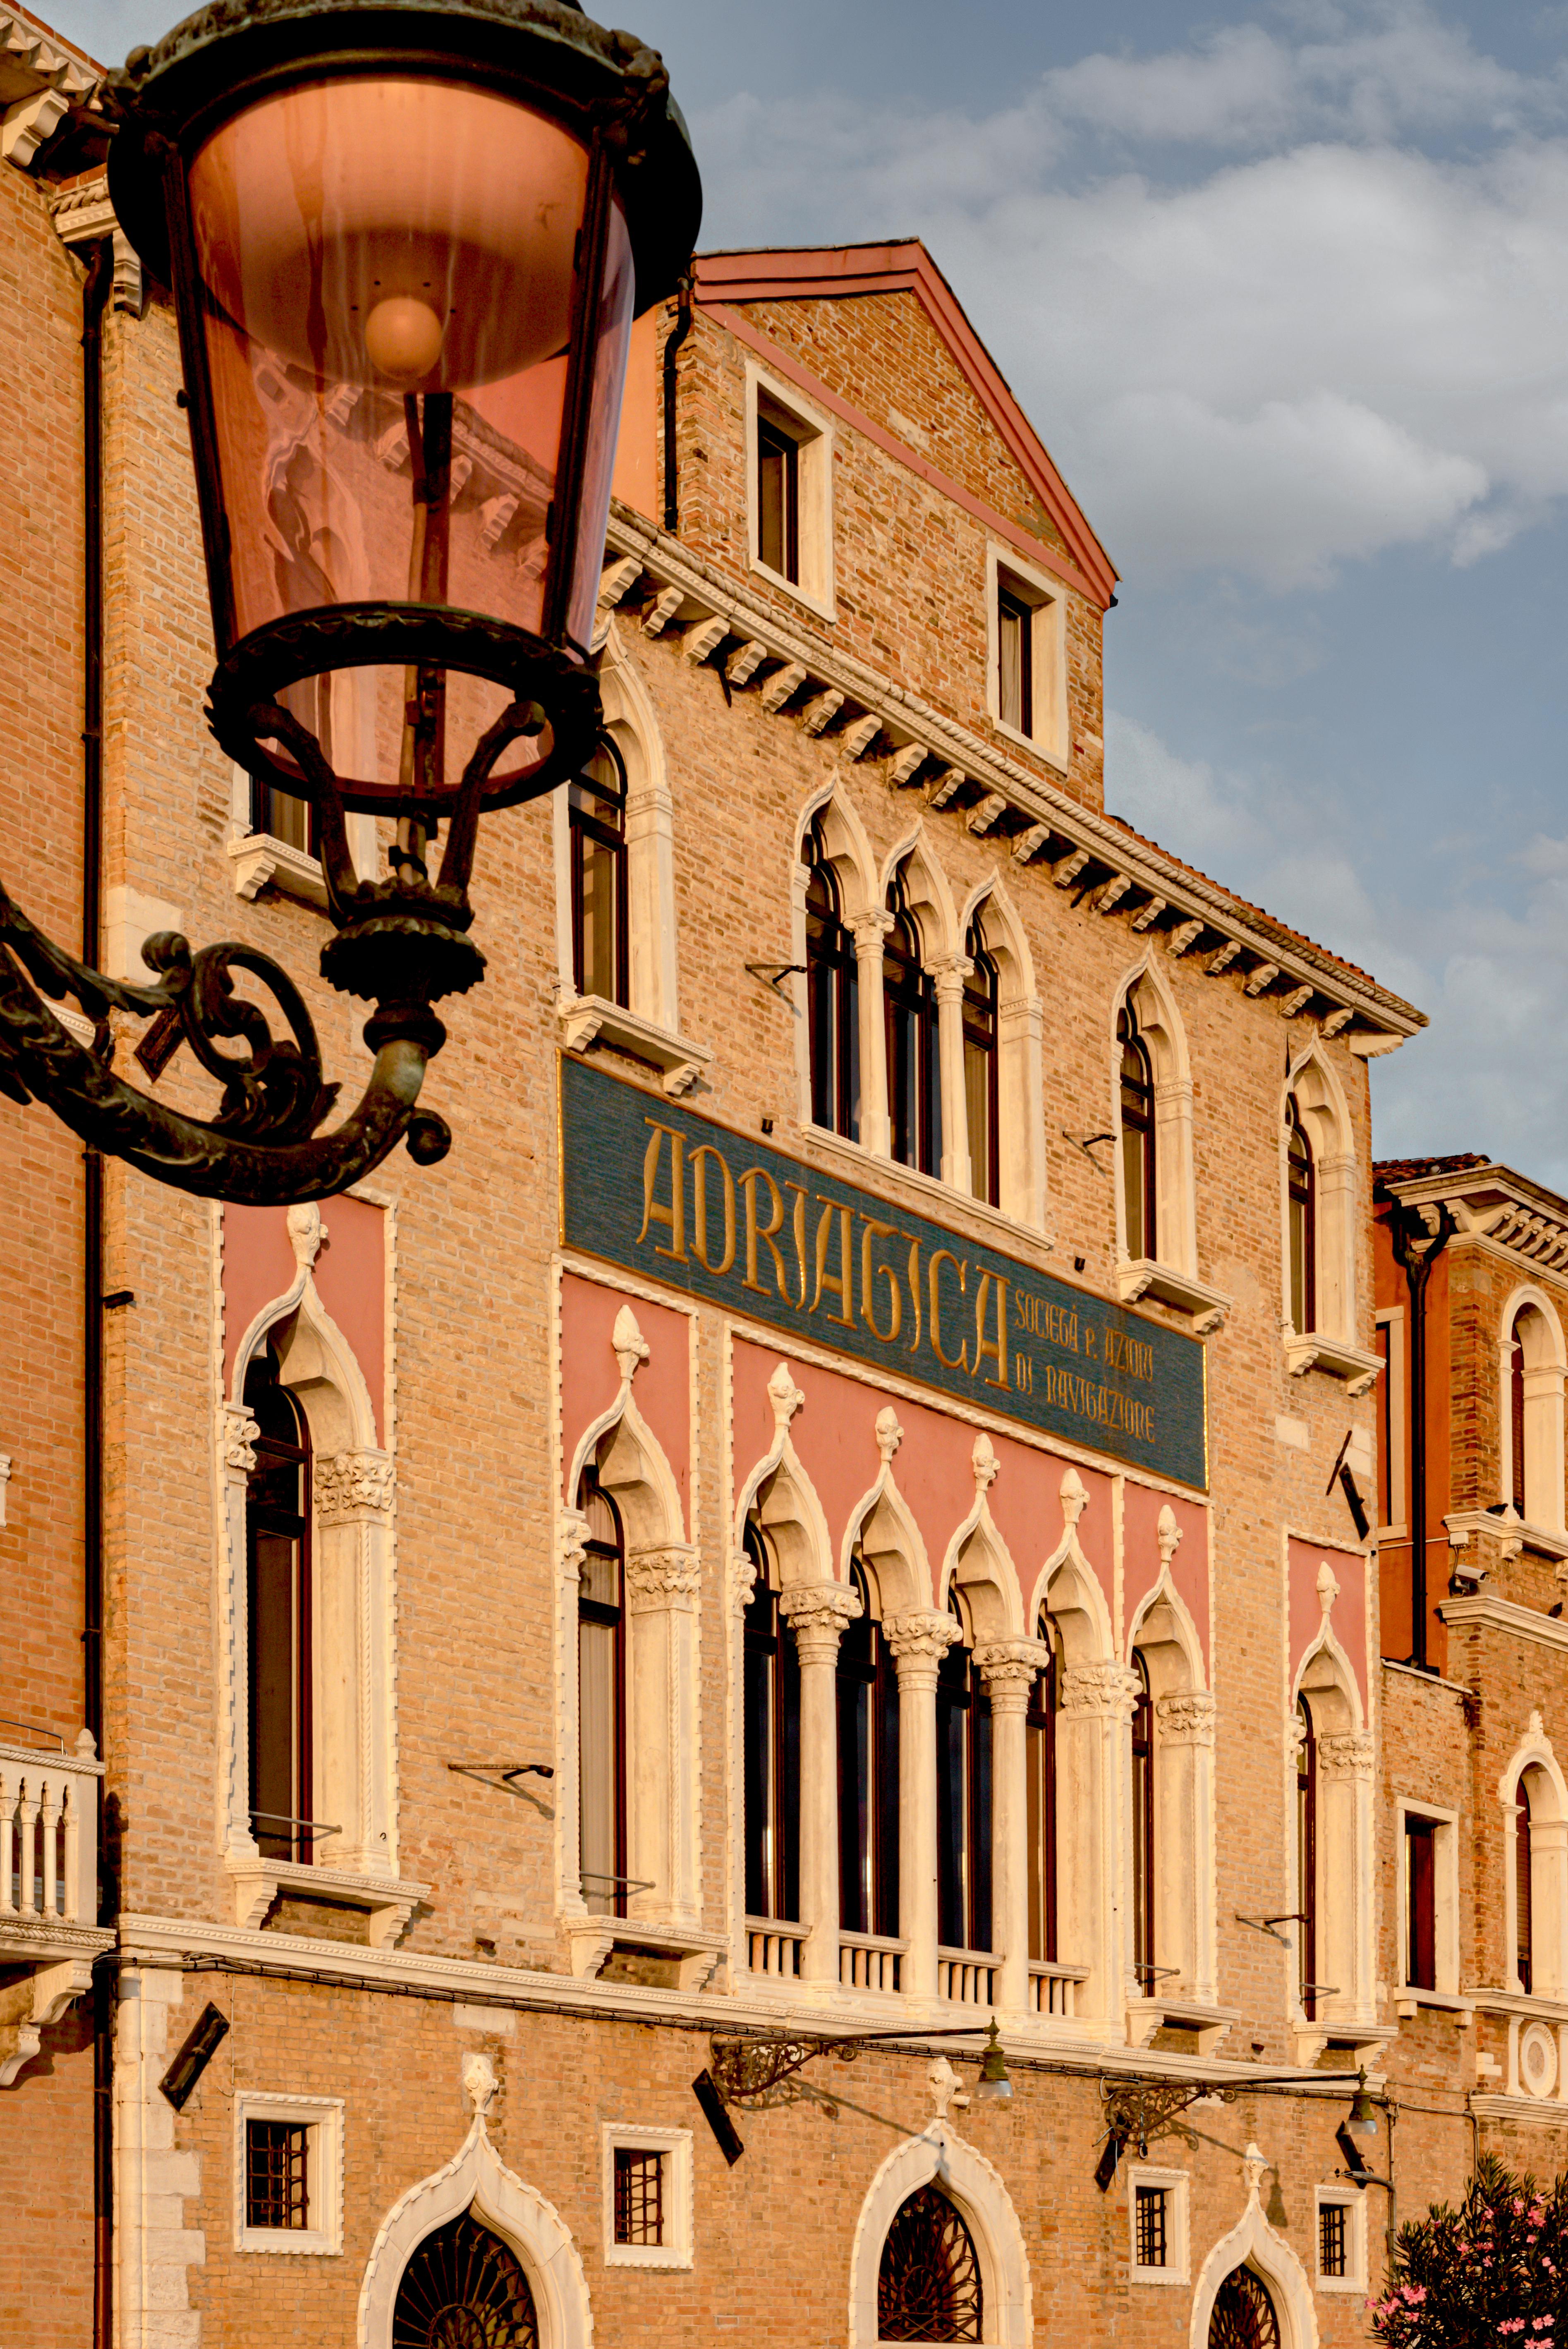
<point>389,1902</point>
<point>1317,1351</point>
<point>1143,1277</point>
<point>587,1020</point>
<point>698,1954</point>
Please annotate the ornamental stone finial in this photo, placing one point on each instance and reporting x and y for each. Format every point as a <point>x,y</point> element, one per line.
<point>1327,1587</point>
<point>945,2086</point>
<point>1168,1534</point>
<point>1254,2169</point>
<point>785,1397</point>
<point>631,1348</point>
<point>480,2085</point>
<point>1075,1499</point>
<point>306,1232</point>
<point>890,1435</point>
<point>985,1465</point>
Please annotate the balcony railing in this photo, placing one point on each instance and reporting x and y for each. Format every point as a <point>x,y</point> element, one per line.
<point>772,1948</point>
<point>1053,1989</point>
<point>868,1961</point>
<point>967,1976</point>
<point>48,1837</point>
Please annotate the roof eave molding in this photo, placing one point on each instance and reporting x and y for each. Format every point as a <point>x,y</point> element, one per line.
<point>840,272</point>
<point>41,79</point>
<point>1492,1203</point>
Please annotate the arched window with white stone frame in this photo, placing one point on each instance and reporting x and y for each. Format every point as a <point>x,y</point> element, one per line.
<point>837,926</point>
<point>1532,1368</point>
<point>923,974</point>
<point>938,2254</point>
<point>1534,1856</point>
<point>992,934</point>
<point>1319,1226</point>
<point>1331,1780</point>
<point>1177,1819</point>
<point>1151,1124</point>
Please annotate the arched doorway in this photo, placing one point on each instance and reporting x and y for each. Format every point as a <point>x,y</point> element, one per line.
<point>1244,2315</point>
<point>464,2288</point>
<point>928,2283</point>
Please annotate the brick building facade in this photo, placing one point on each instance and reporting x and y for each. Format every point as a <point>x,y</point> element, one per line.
<point>821,1515</point>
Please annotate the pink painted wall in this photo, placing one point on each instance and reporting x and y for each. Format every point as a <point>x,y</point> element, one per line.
<point>1348,1615</point>
<point>590,1377</point>
<point>1140,1555</point>
<point>834,1436</point>
<point>350,1274</point>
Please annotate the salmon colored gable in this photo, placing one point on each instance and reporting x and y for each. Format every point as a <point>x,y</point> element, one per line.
<point>349,1273</point>
<point>723,279</point>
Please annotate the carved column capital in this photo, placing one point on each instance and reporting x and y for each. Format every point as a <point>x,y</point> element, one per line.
<point>948,973</point>
<point>349,1485</point>
<point>818,1613</point>
<point>918,1640</point>
<point>1185,1717</point>
<point>1009,1669</point>
<point>869,929</point>
<point>241,1431</point>
<point>571,1545</point>
<point>1106,1690</point>
<point>662,1581</point>
<point>742,1580</point>
<point>1350,1755</point>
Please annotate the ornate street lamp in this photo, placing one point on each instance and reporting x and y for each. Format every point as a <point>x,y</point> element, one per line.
<point>406,239</point>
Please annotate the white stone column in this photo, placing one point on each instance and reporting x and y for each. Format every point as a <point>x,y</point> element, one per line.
<point>1185,1841</point>
<point>571,1549</point>
<point>949,974</point>
<point>1346,1952</point>
<point>917,1643</point>
<point>154,2249</point>
<point>352,1721</point>
<point>662,1788</point>
<point>818,1614</point>
<point>238,1436</point>
<point>869,929</point>
<point>1009,1669</point>
<point>1093,1914</point>
<point>1020,1028</point>
<point>1338,1234</point>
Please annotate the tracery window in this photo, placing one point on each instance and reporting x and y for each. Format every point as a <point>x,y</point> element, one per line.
<point>1306,1859</point>
<point>772,1722</point>
<point>1244,2315</point>
<point>833,991</point>
<point>1301,1195</point>
<point>1040,1764</point>
<point>868,1772</point>
<point>1139,1198</point>
<point>963,1799</point>
<point>929,2285</point>
<point>278,1615</point>
<point>464,2288</point>
<point>913,1043</point>
<point>1144,1812</point>
<point>982,1088</point>
<point>596,803</point>
<point>601,1702</point>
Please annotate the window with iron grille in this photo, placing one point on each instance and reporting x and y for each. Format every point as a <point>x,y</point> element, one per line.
<point>639,2195</point>
<point>277,2174</point>
<point>1153,2251</point>
<point>1333,2239</point>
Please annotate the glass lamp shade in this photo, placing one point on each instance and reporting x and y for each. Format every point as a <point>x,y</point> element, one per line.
<point>407,246</point>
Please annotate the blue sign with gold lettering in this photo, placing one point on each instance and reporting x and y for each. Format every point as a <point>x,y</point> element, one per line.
<point>736,1223</point>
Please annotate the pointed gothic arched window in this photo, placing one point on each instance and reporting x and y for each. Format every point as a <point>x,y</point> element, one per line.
<point>279,1611</point>
<point>928,2286</point>
<point>464,2288</point>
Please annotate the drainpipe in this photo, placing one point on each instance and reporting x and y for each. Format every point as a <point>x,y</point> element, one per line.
<point>672,342</point>
<point>95,301</point>
<point>1417,1248</point>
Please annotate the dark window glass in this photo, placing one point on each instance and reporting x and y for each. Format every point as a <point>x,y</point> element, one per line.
<point>833,991</point>
<point>596,799</point>
<point>1523,1892</point>
<point>277,2175</point>
<point>962,1799</point>
<point>278,1577</point>
<point>868,1773</point>
<point>1040,1764</point>
<point>1150,2220</point>
<point>772,1710</point>
<point>1332,2245</point>
<point>1143,1878</point>
<point>777,500</point>
<point>1306,1859</point>
<point>639,2195</point>
<point>282,816</point>
<point>1420,1903</point>
<point>1516,1413</point>
<point>928,2285</point>
<point>1302,1185</point>
<point>982,1093</point>
<point>1137,1191</point>
<point>601,1702</point>
<point>913,1045</point>
<point>1386,1425</point>
<point>464,2288</point>
<point>1243,2316</point>
<point>1014,661</point>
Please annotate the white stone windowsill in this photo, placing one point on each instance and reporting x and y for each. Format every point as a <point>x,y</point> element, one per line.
<point>388,1901</point>
<point>1315,1351</point>
<point>1141,1277</point>
<point>260,863</point>
<point>587,1020</point>
<point>591,1938</point>
<point>1409,1999</point>
<point>1529,2006</point>
<point>926,1195</point>
<point>1146,2015</point>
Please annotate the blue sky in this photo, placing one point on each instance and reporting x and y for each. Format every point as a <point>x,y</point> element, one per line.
<point>1285,291</point>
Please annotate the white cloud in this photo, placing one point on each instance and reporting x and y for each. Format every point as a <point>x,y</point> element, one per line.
<point>1281,364</point>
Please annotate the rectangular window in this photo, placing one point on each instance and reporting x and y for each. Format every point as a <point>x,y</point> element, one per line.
<point>1151,2226</point>
<point>1026,691</point>
<point>777,500</point>
<point>1333,2244</point>
<point>283,817</point>
<point>639,2195</point>
<point>1014,661</point>
<point>277,2174</point>
<point>790,483</point>
<point>1420,1903</point>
